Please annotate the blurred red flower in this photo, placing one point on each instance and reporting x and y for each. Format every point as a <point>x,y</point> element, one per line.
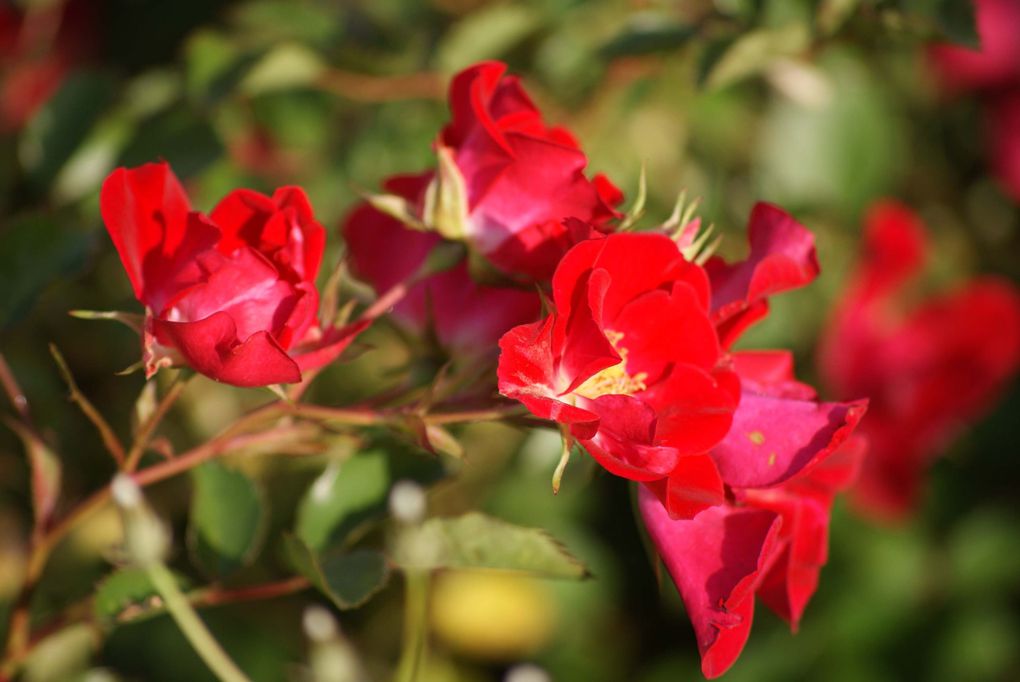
<point>38,48</point>
<point>993,72</point>
<point>231,294</point>
<point>927,370</point>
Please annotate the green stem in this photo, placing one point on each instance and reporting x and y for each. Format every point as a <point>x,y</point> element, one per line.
<point>416,602</point>
<point>192,626</point>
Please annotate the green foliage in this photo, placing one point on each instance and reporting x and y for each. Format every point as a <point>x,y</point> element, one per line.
<point>479,541</point>
<point>124,591</point>
<point>348,495</point>
<point>228,516</point>
<point>349,579</point>
<point>35,250</point>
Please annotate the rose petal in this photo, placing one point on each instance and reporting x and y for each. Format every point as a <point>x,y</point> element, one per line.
<point>715,560</point>
<point>211,346</point>
<point>782,257</point>
<point>772,439</point>
<point>147,215</point>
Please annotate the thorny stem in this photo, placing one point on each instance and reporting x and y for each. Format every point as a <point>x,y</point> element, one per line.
<point>106,433</point>
<point>231,438</point>
<point>192,626</point>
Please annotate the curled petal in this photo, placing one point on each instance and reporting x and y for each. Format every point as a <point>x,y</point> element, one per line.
<point>148,217</point>
<point>782,257</point>
<point>624,444</point>
<point>716,561</point>
<point>526,373</point>
<point>211,346</point>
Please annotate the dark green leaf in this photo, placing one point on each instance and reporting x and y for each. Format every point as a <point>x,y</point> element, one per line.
<point>34,252</point>
<point>354,492</point>
<point>349,579</point>
<point>56,132</point>
<point>227,519</point>
<point>638,39</point>
<point>479,541</point>
<point>178,136</point>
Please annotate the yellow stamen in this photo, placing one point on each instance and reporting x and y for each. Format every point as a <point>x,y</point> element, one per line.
<point>613,380</point>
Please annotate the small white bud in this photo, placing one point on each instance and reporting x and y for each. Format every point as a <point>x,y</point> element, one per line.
<point>319,624</point>
<point>126,492</point>
<point>407,502</point>
<point>527,672</point>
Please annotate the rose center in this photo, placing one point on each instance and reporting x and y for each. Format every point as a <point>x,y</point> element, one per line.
<point>613,380</point>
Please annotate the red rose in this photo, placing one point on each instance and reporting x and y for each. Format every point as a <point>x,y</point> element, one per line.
<point>927,370</point>
<point>521,177</point>
<point>631,361</point>
<point>466,318</point>
<point>233,294</point>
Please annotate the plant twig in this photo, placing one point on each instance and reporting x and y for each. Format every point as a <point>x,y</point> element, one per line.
<point>19,401</point>
<point>110,440</point>
<point>145,432</point>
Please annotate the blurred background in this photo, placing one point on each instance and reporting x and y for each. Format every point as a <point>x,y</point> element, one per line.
<point>821,106</point>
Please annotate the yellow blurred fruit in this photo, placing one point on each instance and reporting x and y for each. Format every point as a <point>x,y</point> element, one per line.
<point>492,615</point>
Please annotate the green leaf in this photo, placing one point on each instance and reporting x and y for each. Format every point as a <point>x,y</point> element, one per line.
<point>643,37</point>
<point>354,492</point>
<point>61,656</point>
<point>479,541</point>
<point>486,34</point>
<point>752,53</point>
<point>227,519</point>
<point>349,579</point>
<point>56,132</point>
<point>125,589</point>
<point>184,139</point>
<point>35,251</point>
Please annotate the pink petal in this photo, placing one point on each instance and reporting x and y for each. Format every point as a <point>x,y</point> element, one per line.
<point>715,560</point>
<point>772,439</point>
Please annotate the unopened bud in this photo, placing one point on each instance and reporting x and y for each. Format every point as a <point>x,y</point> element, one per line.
<point>146,539</point>
<point>333,659</point>
<point>407,502</point>
<point>319,624</point>
<point>527,672</point>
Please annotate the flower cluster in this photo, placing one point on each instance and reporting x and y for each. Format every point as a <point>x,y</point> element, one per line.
<point>927,370</point>
<point>993,72</point>
<point>736,462</point>
<point>735,457</point>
